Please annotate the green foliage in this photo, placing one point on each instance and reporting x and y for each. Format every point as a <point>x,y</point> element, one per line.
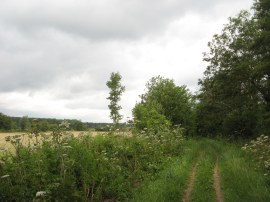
<point>146,116</point>
<point>170,183</point>
<point>235,90</point>
<point>240,179</point>
<point>164,100</point>
<point>41,124</point>
<point>60,167</point>
<point>78,125</point>
<point>261,48</point>
<point>116,91</point>
<point>5,122</point>
<point>24,123</point>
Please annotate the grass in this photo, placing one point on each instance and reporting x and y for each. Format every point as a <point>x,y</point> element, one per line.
<point>241,179</point>
<point>203,189</point>
<point>120,168</point>
<point>170,184</point>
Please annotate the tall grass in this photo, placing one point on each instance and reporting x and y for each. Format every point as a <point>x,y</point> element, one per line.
<point>241,178</point>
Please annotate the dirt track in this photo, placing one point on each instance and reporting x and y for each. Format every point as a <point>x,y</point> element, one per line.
<point>188,191</point>
<point>219,194</point>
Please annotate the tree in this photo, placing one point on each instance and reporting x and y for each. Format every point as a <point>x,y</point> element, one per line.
<point>175,103</point>
<point>261,48</point>
<point>78,125</point>
<point>24,123</point>
<point>235,90</point>
<point>43,125</point>
<point>114,84</point>
<point>5,122</point>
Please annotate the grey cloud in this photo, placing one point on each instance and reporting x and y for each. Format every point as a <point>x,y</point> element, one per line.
<point>66,50</point>
<point>107,19</point>
<point>49,59</point>
<point>93,101</point>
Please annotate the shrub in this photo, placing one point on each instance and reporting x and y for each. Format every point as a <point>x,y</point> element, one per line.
<point>261,149</point>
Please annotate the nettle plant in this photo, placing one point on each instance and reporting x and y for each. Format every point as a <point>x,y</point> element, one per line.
<point>260,147</point>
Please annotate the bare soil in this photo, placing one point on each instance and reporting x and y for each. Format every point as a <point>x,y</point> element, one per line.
<point>188,191</point>
<point>219,194</point>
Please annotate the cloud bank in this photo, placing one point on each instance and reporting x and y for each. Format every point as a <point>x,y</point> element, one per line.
<point>56,56</point>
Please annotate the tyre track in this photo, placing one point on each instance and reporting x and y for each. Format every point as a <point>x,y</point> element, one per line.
<point>188,191</point>
<point>219,194</point>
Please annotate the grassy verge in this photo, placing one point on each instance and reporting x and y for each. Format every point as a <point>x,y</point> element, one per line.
<point>240,180</point>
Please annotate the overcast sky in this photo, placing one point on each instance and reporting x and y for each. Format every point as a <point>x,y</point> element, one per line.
<point>57,55</point>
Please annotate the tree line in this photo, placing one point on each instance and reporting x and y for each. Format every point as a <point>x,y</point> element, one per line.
<point>234,96</point>
<point>26,123</point>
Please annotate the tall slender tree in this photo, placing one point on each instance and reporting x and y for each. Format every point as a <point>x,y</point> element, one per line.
<point>114,84</point>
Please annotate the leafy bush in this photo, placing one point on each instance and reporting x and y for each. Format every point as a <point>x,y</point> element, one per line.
<point>146,116</point>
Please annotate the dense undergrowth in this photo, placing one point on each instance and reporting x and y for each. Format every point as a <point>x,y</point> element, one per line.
<point>86,168</point>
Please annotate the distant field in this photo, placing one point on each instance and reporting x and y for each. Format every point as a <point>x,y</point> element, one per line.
<point>4,144</point>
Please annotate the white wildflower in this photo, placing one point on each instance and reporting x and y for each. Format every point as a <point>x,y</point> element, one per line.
<point>4,176</point>
<point>41,193</point>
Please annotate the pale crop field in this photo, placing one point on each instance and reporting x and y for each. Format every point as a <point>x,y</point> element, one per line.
<point>25,138</point>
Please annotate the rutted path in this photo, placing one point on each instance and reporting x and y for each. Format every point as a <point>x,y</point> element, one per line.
<point>188,191</point>
<point>219,194</point>
<point>197,176</point>
<point>216,184</point>
<point>204,180</point>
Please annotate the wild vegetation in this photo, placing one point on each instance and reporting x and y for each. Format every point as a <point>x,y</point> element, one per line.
<point>85,168</point>
<point>167,155</point>
<point>234,99</point>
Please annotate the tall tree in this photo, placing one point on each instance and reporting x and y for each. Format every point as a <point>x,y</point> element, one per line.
<point>116,90</point>
<point>261,48</point>
<point>235,90</point>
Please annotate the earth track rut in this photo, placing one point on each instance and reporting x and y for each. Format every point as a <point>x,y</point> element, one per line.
<point>188,191</point>
<point>219,194</point>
